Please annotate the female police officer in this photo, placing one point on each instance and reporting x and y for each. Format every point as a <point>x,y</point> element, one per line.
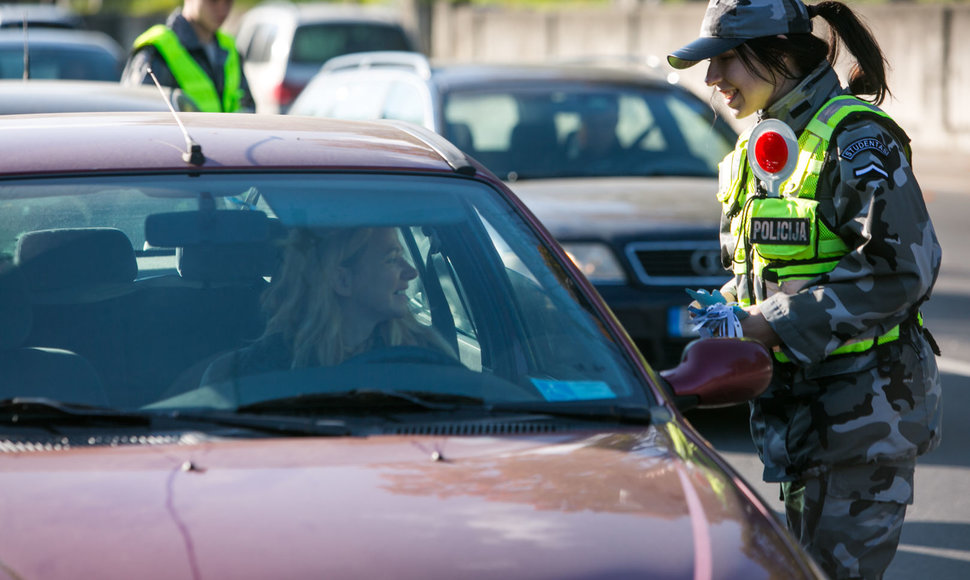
<point>856,393</point>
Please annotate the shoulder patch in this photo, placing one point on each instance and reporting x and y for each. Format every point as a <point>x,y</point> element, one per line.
<point>865,144</point>
<point>871,168</point>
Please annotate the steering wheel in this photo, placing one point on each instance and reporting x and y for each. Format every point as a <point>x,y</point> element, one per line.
<point>405,354</point>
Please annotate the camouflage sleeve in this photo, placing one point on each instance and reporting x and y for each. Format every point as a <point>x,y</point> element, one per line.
<point>894,257</point>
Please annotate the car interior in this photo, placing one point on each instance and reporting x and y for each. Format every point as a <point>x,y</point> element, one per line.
<point>129,308</point>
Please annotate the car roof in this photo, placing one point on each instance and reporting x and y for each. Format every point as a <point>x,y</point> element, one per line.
<point>138,141</point>
<point>476,75</point>
<point>58,37</point>
<point>63,96</point>
<point>457,75</point>
<point>13,15</point>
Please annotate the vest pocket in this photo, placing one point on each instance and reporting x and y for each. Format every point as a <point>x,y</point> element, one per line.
<point>783,228</point>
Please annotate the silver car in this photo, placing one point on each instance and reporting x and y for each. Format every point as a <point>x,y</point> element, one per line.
<point>284,45</point>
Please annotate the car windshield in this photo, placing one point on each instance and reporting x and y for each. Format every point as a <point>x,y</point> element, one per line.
<point>229,291</point>
<point>318,43</point>
<point>586,131</point>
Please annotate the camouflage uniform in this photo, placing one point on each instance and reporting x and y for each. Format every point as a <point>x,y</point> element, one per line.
<point>843,432</point>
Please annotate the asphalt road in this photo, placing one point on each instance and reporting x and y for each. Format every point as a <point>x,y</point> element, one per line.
<point>936,536</point>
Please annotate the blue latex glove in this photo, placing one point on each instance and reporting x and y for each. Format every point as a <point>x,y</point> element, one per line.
<point>706,299</point>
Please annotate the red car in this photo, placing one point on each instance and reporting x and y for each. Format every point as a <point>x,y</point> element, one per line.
<point>241,346</point>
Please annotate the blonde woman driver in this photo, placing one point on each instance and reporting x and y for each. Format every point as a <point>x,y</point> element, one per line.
<point>339,293</point>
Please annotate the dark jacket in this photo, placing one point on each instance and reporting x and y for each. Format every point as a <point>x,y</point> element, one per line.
<point>139,62</point>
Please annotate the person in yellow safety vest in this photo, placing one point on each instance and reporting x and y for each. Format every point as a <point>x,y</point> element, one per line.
<point>190,52</point>
<point>831,268</point>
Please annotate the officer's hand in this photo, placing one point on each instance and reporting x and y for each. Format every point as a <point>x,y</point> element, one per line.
<point>756,326</point>
<point>696,307</point>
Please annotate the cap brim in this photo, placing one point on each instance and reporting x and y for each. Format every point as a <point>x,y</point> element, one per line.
<point>701,49</point>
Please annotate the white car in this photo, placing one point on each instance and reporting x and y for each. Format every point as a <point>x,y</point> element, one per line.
<point>283,45</point>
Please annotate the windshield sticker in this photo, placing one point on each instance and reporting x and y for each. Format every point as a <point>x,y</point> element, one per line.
<point>554,390</point>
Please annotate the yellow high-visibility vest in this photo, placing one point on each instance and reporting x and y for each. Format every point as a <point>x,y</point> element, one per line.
<point>782,240</point>
<point>194,81</point>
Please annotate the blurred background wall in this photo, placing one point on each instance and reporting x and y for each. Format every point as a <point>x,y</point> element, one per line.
<point>928,54</point>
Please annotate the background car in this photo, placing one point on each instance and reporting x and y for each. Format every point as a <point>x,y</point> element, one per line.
<point>55,53</point>
<point>18,97</point>
<point>530,441</point>
<point>639,216</point>
<point>39,16</point>
<point>284,44</point>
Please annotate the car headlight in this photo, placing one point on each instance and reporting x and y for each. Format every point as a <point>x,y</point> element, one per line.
<point>597,261</point>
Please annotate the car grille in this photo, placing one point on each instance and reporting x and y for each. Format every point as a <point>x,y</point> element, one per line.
<point>677,263</point>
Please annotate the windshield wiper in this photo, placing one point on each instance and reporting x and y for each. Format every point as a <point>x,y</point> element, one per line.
<point>278,425</point>
<point>363,400</point>
<point>632,414</point>
<point>41,410</point>
<point>34,411</point>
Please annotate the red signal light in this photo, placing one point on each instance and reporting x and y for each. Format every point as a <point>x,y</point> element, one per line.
<point>771,152</point>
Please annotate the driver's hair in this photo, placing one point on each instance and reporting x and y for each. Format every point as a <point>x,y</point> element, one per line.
<point>302,305</point>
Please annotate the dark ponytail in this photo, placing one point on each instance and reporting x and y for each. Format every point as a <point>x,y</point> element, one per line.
<point>796,55</point>
<point>868,75</point>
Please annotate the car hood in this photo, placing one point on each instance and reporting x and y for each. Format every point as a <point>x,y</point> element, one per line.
<point>579,506</point>
<point>578,207</point>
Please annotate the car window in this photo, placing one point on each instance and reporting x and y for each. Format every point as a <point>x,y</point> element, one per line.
<point>442,283</point>
<point>489,116</point>
<point>530,132</point>
<point>405,102</point>
<point>222,290</point>
<point>73,62</point>
<point>319,42</point>
<point>696,127</point>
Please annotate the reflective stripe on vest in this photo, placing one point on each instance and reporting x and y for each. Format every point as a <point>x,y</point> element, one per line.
<point>859,346</point>
<point>792,243</point>
<point>191,78</point>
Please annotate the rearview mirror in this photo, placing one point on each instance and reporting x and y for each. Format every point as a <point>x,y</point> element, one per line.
<point>716,372</point>
<point>187,228</point>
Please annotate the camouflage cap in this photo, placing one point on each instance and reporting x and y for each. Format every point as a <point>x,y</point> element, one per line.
<point>728,23</point>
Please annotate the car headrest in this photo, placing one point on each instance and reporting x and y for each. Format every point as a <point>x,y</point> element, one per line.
<point>15,309</point>
<point>75,258</point>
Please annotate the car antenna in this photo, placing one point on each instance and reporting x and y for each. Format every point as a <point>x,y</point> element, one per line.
<point>193,153</point>
<point>26,51</point>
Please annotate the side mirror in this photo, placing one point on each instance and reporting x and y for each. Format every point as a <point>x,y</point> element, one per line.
<point>716,372</point>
